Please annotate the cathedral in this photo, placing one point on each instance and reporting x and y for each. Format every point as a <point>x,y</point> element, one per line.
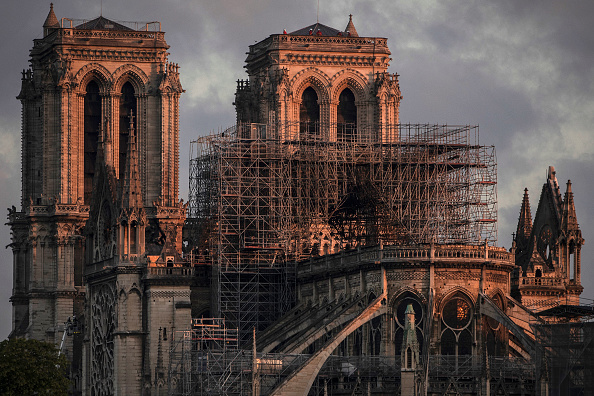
<point>325,247</point>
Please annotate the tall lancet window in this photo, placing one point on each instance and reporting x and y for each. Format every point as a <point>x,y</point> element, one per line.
<point>309,113</point>
<point>92,130</point>
<point>346,116</point>
<point>127,104</point>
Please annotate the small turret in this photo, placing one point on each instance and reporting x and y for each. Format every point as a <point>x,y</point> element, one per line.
<point>350,29</point>
<point>409,355</point>
<point>524,223</point>
<point>51,22</point>
<point>569,217</point>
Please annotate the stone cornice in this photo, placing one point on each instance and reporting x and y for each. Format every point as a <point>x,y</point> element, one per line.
<point>168,293</point>
<point>118,55</point>
<point>110,272</point>
<point>47,295</point>
<point>320,59</point>
<point>375,45</point>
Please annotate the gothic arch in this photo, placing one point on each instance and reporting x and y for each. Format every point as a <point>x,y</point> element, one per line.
<point>134,308</point>
<point>65,230</point>
<point>497,293</point>
<point>311,77</point>
<point>404,290</point>
<point>372,294</point>
<point>451,293</point>
<point>456,323</point>
<point>122,314</point>
<point>132,289</point>
<point>130,73</point>
<point>351,79</point>
<point>97,72</point>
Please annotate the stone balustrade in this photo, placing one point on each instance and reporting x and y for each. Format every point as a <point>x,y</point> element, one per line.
<point>538,281</point>
<point>157,272</point>
<point>57,209</point>
<point>348,261</point>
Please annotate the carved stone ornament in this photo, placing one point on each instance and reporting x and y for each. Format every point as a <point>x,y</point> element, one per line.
<point>103,322</point>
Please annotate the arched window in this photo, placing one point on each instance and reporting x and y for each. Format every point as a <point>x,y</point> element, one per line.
<point>346,116</point>
<point>133,246</point>
<point>309,113</point>
<point>92,129</point>
<point>456,321</point>
<point>127,105</point>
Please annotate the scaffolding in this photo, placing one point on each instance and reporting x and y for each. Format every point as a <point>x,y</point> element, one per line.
<point>206,360</point>
<point>564,358</point>
<point>258,201</point>
<point>220,370</point>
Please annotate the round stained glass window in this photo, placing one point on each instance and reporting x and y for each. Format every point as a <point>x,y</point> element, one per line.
<point>457,313</point>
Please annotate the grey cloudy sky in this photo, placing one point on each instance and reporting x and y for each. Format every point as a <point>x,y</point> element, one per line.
<point>522,70</point>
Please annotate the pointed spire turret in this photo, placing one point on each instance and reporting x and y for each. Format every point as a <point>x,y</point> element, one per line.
<point>351,27</point>
<point>409,354</point>
<point>131,192</point>
<point>132,217</point>
<point>51,22</point>
<point>524,223</point>
<point>410,344</point>
<point>569,216</point>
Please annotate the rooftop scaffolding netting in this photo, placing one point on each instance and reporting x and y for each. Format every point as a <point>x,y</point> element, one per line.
<point>263,195</point>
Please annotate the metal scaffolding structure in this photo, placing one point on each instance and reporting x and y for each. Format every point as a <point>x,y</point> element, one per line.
<point>200,366</point>
<point>206,360</point>
<point>258,201</point>
<point>565,356</point>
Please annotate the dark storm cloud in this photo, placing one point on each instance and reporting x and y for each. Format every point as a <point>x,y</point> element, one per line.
<point>523,70</point>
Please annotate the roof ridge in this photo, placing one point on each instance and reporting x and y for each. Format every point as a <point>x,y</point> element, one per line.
<point>102,23</point>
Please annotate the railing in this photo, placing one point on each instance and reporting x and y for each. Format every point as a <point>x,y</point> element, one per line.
<point>312,39</point>
<point>170,271</point>
<point>526,281</point>
<point>58,209</point>
<point>118,34</point>
<point>346,260</point>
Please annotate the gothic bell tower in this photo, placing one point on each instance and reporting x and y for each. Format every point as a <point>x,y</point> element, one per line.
<point>320,83</point>
<point>99,204</point>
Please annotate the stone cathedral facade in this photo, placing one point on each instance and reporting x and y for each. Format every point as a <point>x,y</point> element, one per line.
<point>98,234</point>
